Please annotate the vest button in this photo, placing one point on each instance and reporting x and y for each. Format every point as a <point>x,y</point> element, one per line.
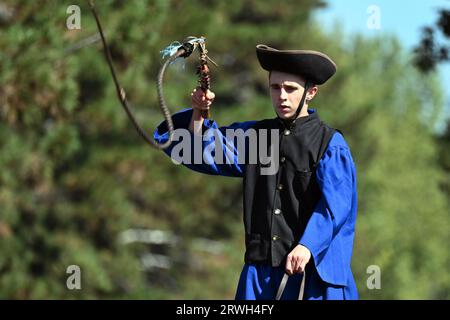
<point>275,238</point>
<point>280,187</point>
<point>277,211</point>
<point>287,132</point>
<point>283,159</point>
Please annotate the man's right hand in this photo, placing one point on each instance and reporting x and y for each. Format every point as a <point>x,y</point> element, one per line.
<point>200,100</point>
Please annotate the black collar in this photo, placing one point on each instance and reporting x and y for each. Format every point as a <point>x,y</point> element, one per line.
<point>301,121</point>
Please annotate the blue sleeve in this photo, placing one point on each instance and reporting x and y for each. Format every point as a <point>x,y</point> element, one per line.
<point>212,153</point>
<point>336,176</point>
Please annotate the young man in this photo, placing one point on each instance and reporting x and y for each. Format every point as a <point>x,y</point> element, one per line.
<point>300,218</point>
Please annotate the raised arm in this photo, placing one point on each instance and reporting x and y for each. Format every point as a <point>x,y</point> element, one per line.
<point>200,143</point>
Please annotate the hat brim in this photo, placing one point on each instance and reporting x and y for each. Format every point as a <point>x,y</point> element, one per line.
<point>313,66</point>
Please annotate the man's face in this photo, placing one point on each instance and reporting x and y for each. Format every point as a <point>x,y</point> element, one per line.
<point>286,91</point>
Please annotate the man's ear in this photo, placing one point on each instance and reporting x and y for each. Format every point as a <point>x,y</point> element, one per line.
<point>311,92</point>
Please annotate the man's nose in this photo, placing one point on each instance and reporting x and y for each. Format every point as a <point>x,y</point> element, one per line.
<point>283,94</point>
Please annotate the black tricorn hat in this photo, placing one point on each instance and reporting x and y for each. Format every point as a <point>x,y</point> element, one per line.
<point>314,66</point>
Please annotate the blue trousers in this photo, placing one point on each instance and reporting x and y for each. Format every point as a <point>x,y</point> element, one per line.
<point>261,282</point>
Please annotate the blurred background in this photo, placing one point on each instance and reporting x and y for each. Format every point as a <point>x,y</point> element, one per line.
<point>79,187</point>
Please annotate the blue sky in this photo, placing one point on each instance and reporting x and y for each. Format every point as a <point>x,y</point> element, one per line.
<point>400,17</point>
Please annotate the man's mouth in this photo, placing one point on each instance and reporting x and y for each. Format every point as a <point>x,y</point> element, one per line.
<point>284,108</point>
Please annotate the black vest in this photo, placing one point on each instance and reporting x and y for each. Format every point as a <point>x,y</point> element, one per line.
<point>277,207</point>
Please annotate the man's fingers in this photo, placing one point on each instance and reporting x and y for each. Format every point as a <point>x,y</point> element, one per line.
<point>297,265</point>
<point>210,95</point>
<point>289,265</point>
<point>298,258</point>
<point>201,104</point>
<point>301,266</point>
<point>292,265</point>
<point>201,100</point>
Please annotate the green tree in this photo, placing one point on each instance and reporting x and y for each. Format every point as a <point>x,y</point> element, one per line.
<point>75,175</point>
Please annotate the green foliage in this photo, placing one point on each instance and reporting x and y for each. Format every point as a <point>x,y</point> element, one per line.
<point>75,175</point>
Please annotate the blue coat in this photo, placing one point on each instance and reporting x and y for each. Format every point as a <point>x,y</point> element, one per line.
<point>329,233</point>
